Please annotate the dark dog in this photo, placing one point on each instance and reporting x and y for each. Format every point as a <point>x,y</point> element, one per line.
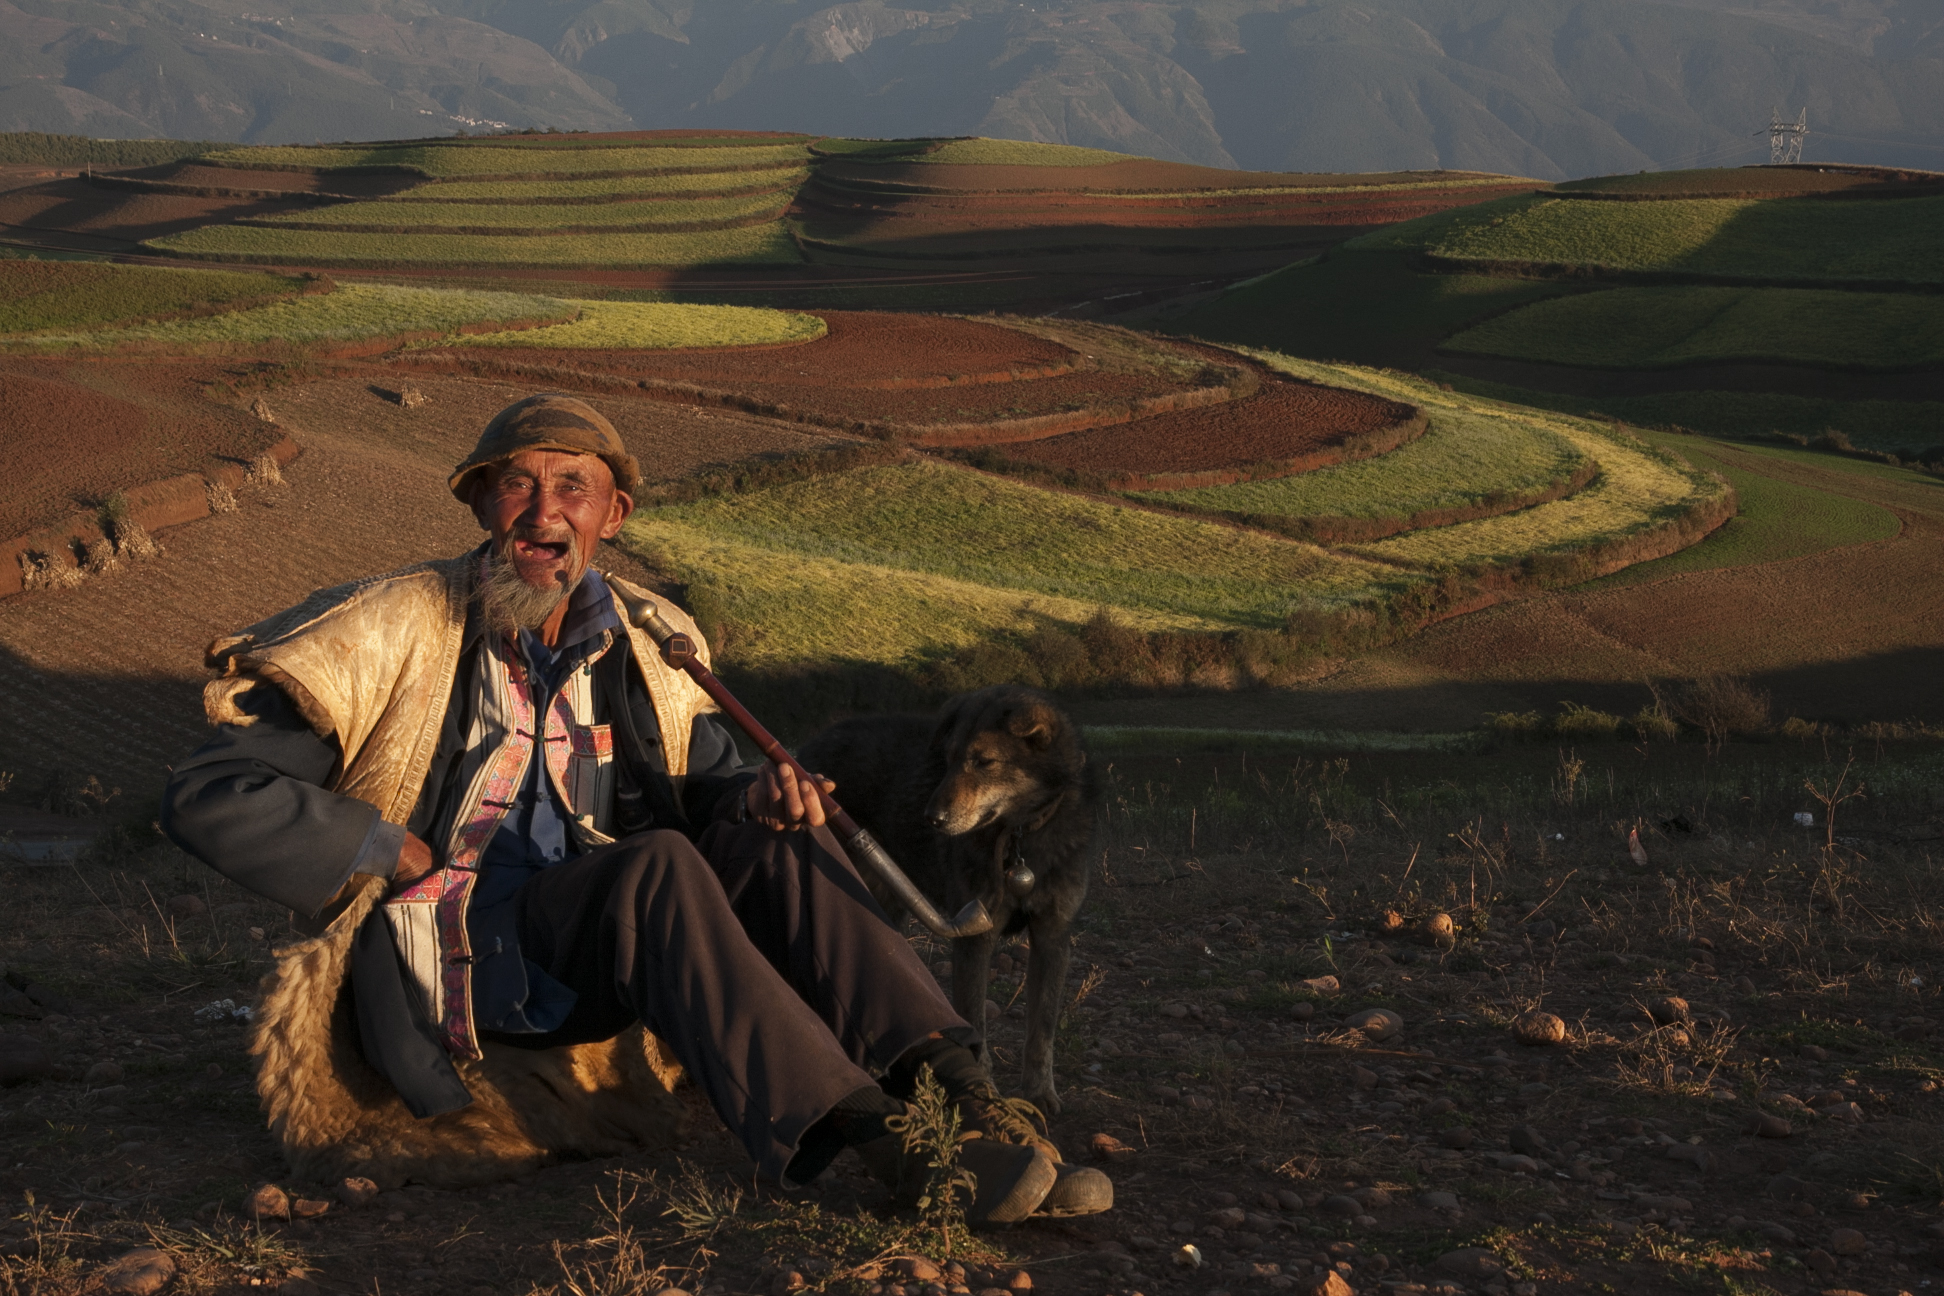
<point>996,788</point>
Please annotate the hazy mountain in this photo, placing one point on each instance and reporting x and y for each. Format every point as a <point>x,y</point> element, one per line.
<point>1543,87</point>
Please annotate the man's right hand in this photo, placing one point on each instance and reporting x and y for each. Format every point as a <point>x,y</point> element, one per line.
<point>414,862</point>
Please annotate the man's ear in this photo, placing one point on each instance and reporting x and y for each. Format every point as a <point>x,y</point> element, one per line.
<point>618,511</point>
<point>475,492</point>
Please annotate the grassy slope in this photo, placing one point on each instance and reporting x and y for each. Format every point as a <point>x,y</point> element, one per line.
<point>1893,239</point>
<point>1371,307</point>
<point>446,160</point>
<point>430,216</point>
<point>656,325</point>
<point>41,295</point>
<point>1635,328</point>
<point>964,525</point>
<point>760,244</point>
<point>1878,425</point>
<point>617,187</point>
<point>1460,460</point>
<point>354,311</point>
<point>1778,519</point>
<point>970,152</point>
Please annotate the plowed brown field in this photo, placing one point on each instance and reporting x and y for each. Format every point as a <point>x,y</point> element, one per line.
<point>76,214</point>
<point>77,431</point>
<point>203,175</point>
<point>1136,175</point>
<point>1284,420</point>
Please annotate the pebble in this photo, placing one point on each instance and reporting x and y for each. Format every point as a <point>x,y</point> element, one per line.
<point>1538,1028</point>
<point>308,1208</point>
<point>1667,1010</point>
<point>101,1074</point>
<point>1763,1125</point>
<point>1821,1261</point>
<point>1778,1233</point>
<point>1439,1106</point>
<point>141,1272</point>
<point>22,1058</point>
<point>1322,984</point>
<point>1021,1281</point>
<point>267,1202</point>
<point>1526,1139</point>
<point>1380,1024</point>
<point>1289,1201</point>
<point>356,1192</point>
<point>1363,1077</point>
<point>1458,1137</point>
<point>1815,1052</point>
<point>1327,1283</point>
<point>993,1010</point>
<point>1844,1111</point>
<point>1438,1201</point>
<point>1188,1256</point>
<point>1516,1163</point>
<point>1342,1204</point>
<point>1228,1217</point>
<point>918,1268</point>
<point>1105,1147</point>
<point>1848,1242</point>
<point>1745,985</point>
<point>1439,928</point>
<point>1471,1262</point>
<point>1303,1010</point>
<point>186,906</point>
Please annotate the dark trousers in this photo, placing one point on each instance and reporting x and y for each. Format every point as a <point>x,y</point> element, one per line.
<point>758,956</point>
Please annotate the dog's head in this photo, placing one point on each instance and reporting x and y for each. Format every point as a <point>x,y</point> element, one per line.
<point>1008,754</point>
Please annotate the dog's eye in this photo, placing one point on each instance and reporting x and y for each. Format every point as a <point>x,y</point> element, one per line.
<point>986,762</point>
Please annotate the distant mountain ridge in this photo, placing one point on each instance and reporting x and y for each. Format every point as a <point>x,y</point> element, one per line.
<point>1546,88</point>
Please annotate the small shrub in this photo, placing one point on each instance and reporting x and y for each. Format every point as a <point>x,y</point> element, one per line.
<point>1576,721</point>
<point>1517,724</point>
<point>100,558</point>
<point>1653,724</point>
<point>1722,706</point>
<point>1831,439</point>
<point>1803,730</point>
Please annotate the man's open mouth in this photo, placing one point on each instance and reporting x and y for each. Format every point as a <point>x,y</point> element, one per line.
<point>541,551</point>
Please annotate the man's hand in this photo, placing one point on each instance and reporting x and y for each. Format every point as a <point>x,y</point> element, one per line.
<point>414,862</point>
<point>779,800</point>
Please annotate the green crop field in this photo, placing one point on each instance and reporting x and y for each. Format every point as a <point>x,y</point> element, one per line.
<point>36,296</point>
<point>660,325</point>
<point>1462,459</point>
<point>1368,307</point>
<point>1871,424</point>
<point>1628,328</point>
<point>1899,239</point>
<point>353,312</point>
<point>1778,519</point>
<point>406,216</point>
<point>447,160</point>
<point>993,152</point>
<point>608,188</point>
<point>1739,181</point>
<point>754,244</point>
<point>953,522</point>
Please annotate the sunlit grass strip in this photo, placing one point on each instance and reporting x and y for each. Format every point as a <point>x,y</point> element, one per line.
<point>38,296</point>
<point>353,312</point>
<point>754,244</point>
<point>608,188</point>
<point>1462,459</point>
<point>787,607</point>
<point>1656,327</point>
<point>393,216</point>
<point>993,531</point>
<point>659,325</point>
<point>995,152</point>
<point>484,160</point>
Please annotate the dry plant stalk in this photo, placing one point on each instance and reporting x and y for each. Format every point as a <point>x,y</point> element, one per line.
<point>100,558</point>
<point>266,471</point>
<point>133,542</point>
<point>221,498</point>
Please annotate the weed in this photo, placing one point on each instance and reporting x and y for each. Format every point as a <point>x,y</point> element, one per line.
<point>930,1130</point>
<point>1721,707</point>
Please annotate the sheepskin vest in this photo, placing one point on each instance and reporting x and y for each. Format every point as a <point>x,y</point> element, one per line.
<point>372,665</point>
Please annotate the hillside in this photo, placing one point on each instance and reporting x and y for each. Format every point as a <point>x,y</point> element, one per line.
<point>1548,88</point>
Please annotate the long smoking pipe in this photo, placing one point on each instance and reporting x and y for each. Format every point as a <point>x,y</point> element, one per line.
<point>678,650</point>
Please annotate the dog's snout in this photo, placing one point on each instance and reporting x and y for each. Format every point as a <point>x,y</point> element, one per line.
<point>937,816</point>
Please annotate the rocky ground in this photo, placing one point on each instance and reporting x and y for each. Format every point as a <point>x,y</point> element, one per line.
<point>1708,1067</point>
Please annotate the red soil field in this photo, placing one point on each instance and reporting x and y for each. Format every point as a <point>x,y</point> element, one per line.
<point>76,214</point>
<point>74,432</point>
<point>1284,420</point>
<point>1135,175</point>
<point>871,366</point>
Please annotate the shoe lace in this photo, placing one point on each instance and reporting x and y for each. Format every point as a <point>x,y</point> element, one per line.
<point>1013,1119</point>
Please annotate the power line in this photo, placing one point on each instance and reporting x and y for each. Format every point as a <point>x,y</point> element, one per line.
<point>1785,137</point>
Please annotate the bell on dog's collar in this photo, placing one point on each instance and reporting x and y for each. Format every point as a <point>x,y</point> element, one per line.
<point>1020,880</point>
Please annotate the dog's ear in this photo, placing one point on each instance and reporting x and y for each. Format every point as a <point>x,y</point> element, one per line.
<point>1034,724</point>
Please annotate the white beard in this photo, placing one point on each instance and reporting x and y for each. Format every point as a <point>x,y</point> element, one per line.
<point>508,604</point>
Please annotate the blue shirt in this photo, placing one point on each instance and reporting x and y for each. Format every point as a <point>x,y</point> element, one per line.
<point>512,994</point>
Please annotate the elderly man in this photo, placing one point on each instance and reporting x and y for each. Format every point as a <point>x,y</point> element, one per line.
<point>572,847</point>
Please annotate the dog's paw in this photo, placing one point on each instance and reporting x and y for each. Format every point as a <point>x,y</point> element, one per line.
<point>1046,1100</point>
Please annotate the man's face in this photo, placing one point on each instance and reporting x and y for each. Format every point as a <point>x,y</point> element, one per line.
<point>548,511</point>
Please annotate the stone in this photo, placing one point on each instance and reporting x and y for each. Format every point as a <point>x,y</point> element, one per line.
<point>1342,1204</point>
<point>1439,1106</point>
<point>1438,1201</point>
<point>1534,1029</point>
<point>1322,984</point>
<point>1363,1077</point>
<point>1188,1256</point>
<point>1289,1201</point>
<point>1457,1138</point>
<point>1517,1163</point>
<point>1849,1112</point>
<point>1667,1010</point>
<point>268,1202</point>
<point>1471,1262</point>
<point>15,1003</point>
<point>141,1272</point>
<point>993,1011</point>
<point>1228,1217</point>
<point>1778,1233</point>
<point>411,398</point>
<point>356,1192</point>
<point>1763,1125</point>
<point>1303,1010</point>
<point>1021,1281</point>
<point>918,1269</point>
<point>307,1207</point>
<point>1848,1242</point>
<point>1745,985</point>
<point>102,1074</point>
<point>1526,1139</point>
<point>22,1058</point>
<point>186,906</point>
<point>1105,1147</point>
<point>1380,1024</point>
<point>1327,1282</point>
<point>1438,929</point>
<point>1543,930</point>
<point>1821,1261</point>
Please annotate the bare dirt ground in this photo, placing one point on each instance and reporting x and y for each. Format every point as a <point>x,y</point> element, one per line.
<point>75,214</point>
<point>1135,175</point>
<point>1283,420</point>
<point>1776,1131</point>
<point>79,430</point>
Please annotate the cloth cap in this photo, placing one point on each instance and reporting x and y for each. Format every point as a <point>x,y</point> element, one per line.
<point>549,421</point>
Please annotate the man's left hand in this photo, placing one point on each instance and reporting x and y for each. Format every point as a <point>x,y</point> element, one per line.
<point>779,800</point>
